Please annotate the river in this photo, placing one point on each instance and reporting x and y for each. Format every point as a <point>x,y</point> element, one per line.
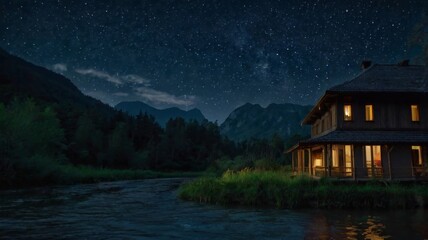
<point>150,209</point>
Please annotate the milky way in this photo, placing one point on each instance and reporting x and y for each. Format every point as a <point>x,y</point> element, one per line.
<point>213,55</point>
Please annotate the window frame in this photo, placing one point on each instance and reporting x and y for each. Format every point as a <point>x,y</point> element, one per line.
<point>351,118</point>
<point>369,151</point>
<point>420,160</point>
<point>371,111</point>
<point>415,118</point>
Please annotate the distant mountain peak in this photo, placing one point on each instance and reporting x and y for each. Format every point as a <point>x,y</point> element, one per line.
<point>253,121</point>
<point>161,115</point>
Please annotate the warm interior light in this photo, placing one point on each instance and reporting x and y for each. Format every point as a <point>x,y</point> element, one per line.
<point>369,113</point>
<point>347,109</point>
<point>415,113</point>
<point>318,162</point>
<point>335,159</point>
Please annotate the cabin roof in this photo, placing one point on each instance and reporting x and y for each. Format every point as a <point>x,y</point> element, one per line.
<point>379,78</point>
<point>370,137</point>
<point>387,78</point>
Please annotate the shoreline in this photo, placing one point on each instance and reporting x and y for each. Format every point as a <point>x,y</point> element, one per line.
<point>277,189</point>
<point>74,175</point>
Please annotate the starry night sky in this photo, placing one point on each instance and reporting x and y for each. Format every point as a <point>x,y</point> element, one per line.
<point>213,55</point>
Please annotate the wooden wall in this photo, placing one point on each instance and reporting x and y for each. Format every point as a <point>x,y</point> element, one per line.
<point>391,112</point>
<point>327,122</point>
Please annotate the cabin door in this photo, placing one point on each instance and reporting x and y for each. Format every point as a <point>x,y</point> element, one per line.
<point>373,160</point>
<point>342,161</point>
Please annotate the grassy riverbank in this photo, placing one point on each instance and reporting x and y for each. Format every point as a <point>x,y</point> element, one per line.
<point>89,174</point>
<point>68,174</point>
<point>279,189</point>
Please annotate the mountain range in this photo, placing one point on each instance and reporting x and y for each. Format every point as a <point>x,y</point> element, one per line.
<point>254,121</point>
<point>19,78</point>
<point>161,115</point>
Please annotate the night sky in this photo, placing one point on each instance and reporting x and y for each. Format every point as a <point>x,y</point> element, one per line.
<point>213,55</point>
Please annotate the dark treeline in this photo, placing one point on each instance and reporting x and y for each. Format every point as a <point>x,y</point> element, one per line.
<point>139,142</point>
<point>37,138</point>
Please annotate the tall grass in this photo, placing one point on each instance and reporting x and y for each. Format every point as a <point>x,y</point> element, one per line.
<point>279,189</point>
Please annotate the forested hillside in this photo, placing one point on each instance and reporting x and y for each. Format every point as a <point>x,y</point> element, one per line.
<point>47,138</point>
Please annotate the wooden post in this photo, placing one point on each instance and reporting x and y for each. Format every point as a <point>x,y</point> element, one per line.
<point>326,165</point>
<point>310,161</point>
<point>413,168</point>
<point>292,161</point>
<point>303,161</point>
<point>389,160</point>
<point>354,173</point>
<point>329,159</point>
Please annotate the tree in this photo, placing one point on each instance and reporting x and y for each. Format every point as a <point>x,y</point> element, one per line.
<point>88,141</point>
<point>145,131</point>
<point>32,142</point>
<point>120,150</point>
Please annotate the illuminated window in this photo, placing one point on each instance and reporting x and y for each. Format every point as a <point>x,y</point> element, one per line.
<point>377,156</point>
<point>417,155</point>
<point>317,157</point>
<point>369,113</point>
<point>318,162</point>
<point>373,156</point>
<point>335,156</point>
<point>415,113</point>
<point>368,151</point>
<point>342,159</point>
<point>348,160</point>
<point>347,110</point>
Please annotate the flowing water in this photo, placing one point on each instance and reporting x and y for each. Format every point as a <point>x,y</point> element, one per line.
<point>150,209</point>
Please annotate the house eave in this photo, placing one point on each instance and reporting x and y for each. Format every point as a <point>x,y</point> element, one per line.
<point>318,108</point>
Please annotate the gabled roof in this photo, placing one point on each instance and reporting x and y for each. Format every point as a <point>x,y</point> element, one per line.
<point>370,137</point>
<point>379,78</point>
<point>387,78</point>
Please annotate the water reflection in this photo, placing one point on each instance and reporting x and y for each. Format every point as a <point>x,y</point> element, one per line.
<point>351,232</point>
<point>374,229</point>
<point>353,224</point>
<point>150,209</point>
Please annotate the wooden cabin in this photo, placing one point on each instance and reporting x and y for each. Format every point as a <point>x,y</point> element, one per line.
<point>373,126</point>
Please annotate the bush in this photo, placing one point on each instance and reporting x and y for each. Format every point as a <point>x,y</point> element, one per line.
<point>260,188</point>
<point>31,143</point>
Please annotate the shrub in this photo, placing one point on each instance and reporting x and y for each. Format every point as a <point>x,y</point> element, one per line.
<point>259,188</point>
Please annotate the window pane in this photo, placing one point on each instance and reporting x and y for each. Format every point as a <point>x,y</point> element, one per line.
<point>377,156</point>
<point>317,156</point>
<point>368,151</point>
<point>415,113</point>
<point>369,112</point>
<point>347,110</point>
<point>348,160</point>
<point>348,156</point>
<point>335,156</point>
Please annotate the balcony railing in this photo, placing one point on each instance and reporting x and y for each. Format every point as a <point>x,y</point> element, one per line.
<point>415,173</point>
<point>374,172</point>
<point>339,172</point>
<point>420,172</point>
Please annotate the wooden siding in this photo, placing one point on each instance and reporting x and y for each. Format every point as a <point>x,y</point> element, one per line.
<point>390,112</point>
<point>326,123</point>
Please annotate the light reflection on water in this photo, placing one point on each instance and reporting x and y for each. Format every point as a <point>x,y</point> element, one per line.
<point>150,209</point>
<point>374,229</point>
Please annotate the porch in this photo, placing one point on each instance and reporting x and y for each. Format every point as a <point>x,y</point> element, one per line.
<point>355,162</point>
